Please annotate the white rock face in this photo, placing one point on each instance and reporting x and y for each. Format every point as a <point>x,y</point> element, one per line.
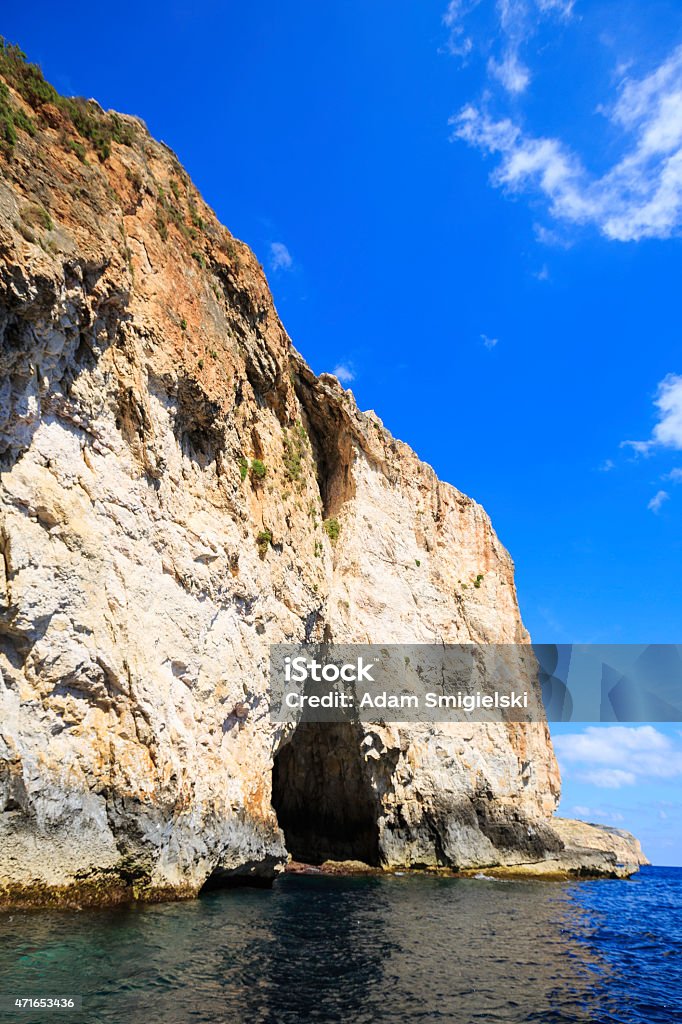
<point>147,564</point>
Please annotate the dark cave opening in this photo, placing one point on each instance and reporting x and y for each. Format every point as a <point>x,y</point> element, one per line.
<point>323,797</point>
<point>219,880</point>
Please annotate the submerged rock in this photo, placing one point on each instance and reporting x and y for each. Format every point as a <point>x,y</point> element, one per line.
<point>179,491</point>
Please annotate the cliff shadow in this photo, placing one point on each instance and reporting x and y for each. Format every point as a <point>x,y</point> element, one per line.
<point>323,797</point>
<point>331,441</point>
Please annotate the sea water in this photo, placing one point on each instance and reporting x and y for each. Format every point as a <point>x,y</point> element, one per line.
<point>363,950</point>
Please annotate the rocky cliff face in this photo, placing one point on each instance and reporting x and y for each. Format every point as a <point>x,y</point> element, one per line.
<point>173,480</point>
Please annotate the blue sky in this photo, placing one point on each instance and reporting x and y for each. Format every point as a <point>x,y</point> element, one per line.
<point>472,212</point>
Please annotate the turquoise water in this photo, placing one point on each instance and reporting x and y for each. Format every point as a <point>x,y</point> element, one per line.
<point>366,951</point>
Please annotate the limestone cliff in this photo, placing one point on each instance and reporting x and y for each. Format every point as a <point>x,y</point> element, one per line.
<point>169,463</point>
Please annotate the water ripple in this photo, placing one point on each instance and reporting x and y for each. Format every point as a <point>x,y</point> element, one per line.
<point>367,951</point>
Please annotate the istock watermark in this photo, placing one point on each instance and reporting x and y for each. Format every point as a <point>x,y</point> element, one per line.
<point>375,683</point>
<point>300,669</point>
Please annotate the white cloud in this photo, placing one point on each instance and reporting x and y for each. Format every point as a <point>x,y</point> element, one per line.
<point>667,432</point>
<point>528,161</point>
<point>656,503</point>
<point>518,20</point>
<point>344,372</point>
<point>489,342</point>
<point>675,475</point>
<point>547,236</point>
<point>459,43</point>
<point>609,778</point>
<point>619,755</point>
<point>516,25</point>
<point>510,72</point>
<point>280,257</point>
<point>542,274</point>
<point>597,813</point>
<point>638,447</point>
<point>607,465</point>
<point>639,197</point>
<point>562,7</point>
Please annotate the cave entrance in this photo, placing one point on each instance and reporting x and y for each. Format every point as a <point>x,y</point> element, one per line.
<point>323,797</point>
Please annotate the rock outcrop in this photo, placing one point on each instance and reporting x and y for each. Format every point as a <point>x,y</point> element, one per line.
<point>179,491</point>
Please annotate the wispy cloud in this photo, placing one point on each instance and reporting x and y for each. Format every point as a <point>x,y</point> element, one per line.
<point>489,342</point>
<point>459,42</point>
<point>513,75</point>
<point>658,500</point>
<point>610,778</point>
<point>344,372</point>
<point>667,432</point>
<point>639,197</point>
<point>550,237</point>
<point>280,257</point>
<point>598,814</point>
<point>638,447</point>
<point>562,7</point>
<point>675,476</point>
<point>619,755</point>
<point>518,20</point>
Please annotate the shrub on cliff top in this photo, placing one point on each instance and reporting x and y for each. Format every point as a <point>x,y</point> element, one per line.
<point>11,118</point>
<point>87,118</point>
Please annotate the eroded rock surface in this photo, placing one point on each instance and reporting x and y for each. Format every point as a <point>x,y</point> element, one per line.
<point>168,464</point>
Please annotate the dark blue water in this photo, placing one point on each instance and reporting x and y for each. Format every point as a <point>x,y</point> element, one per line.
<point>365,951</point>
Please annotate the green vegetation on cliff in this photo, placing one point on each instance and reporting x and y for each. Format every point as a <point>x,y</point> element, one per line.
<point>85,117</point>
